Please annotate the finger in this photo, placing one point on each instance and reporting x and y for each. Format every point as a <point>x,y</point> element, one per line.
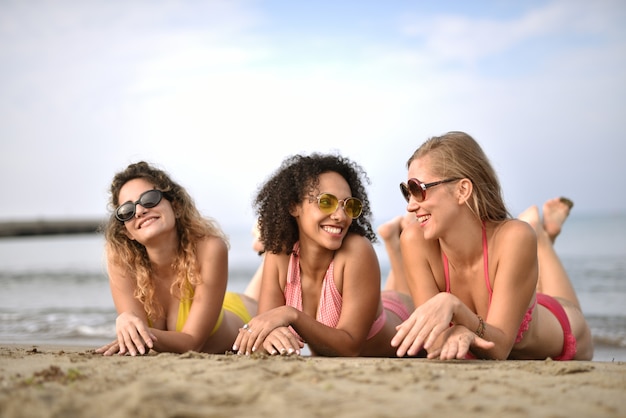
<point>430,337</point>
<point>113,349</point>
<point>146,337</point>
<point>120,343</point>
<point>280,341</point>
<point>412,343</point>
<point>290,342</point>
<point>138,344</point>
<point>269,347</point>
<point>128,343</point>
<point>402,331</point>
<point>104,348</point>
<point>257,339</point>
<point>244,345</point>
<point>433,354</point>
<point>237,342</point>
<point>482,343</point>
<point>448,351</point>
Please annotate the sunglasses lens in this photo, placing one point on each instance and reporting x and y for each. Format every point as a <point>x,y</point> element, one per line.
<point>327,203</point>
<point>416,190</point>
<point>125,212</point>
<point>150,199</point>
<point>405,192</point>
<point>353,207</point>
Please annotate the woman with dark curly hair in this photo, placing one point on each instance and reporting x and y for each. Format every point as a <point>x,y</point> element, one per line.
<point>168,270</point>
<point>321,280</point>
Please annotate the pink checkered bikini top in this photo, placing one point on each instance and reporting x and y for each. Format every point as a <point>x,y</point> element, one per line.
<point>330,303</point>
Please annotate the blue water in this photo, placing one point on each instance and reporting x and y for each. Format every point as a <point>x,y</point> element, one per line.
<point>54,290</point>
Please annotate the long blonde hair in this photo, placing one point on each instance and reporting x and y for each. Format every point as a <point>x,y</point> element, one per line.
<point>458,155</point>
<point>133,257</point>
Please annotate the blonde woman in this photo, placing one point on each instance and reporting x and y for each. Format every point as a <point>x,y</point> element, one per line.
<point>485,285</point>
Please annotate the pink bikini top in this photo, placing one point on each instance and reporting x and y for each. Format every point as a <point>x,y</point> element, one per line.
<point>529,313</point>
<point>329,306</point>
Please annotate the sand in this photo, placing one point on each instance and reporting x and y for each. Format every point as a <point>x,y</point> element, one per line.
<point>53,381</point>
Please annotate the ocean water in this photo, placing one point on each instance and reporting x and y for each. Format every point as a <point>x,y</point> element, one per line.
<point>54,289</point>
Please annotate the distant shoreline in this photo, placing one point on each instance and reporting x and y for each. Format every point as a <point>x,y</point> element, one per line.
<point>50,227</point>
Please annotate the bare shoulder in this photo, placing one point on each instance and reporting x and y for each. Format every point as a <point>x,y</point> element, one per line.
<point>212,244</point>
<point>412,240</point>
<point>515,231</point>
<point>514,240</point>
<point>209,247</point>
<point>355,243</point>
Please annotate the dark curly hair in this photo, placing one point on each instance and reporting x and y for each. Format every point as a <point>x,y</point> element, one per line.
<point>296,179</point>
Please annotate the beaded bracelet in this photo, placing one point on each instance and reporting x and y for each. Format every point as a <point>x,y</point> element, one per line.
<point>480,331</point>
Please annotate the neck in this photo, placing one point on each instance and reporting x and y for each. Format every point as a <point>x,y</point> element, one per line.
<point>314,260</point>
<point>463,246</point>
<point>163,253</point>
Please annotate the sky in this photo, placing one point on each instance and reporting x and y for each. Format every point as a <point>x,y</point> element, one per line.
<point>218,93</point>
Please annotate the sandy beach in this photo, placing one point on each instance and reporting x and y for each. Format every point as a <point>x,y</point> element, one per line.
<point>54,381</point>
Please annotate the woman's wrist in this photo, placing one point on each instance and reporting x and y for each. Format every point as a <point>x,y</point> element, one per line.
<point>480,329</point>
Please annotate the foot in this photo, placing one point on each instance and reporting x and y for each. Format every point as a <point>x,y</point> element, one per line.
<point>257,245</point>
<point>392,228</point>
<point>531,216</point>
<point>555,212</point>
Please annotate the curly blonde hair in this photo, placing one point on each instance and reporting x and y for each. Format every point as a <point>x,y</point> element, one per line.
<point>133,257</point>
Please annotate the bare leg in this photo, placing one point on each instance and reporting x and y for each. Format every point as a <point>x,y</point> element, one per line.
<point>555,212</point>
<point>253,289</point>
<point>390,233</point>
<point>553,279</point>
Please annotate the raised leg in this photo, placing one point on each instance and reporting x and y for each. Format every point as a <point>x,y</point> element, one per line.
<point>390,233</point>
<point>553,279</point>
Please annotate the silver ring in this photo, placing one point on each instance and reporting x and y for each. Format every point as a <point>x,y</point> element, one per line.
<point>246,326</point>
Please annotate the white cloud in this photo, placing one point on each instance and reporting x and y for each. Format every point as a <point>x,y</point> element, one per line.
<point>217,99</point>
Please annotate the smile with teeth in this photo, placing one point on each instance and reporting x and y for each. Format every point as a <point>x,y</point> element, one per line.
<point>332,229</point>
<point>423,218</point>
<point>147,222</point>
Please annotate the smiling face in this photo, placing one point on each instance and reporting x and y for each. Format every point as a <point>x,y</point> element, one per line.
<point>329,230</point>
<point>148,223</point>
<point>438,209</point>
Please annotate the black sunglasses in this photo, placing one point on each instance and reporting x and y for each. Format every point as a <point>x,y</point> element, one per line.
<point>417,189</point>
<point>148,199</point>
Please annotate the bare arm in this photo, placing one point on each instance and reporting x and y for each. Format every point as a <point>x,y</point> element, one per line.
<point>514,284</point>
<point>207,301</point>
<point>515,276</point>
<point>356,267</point>
<point>131,326</point>
<point>418,257</point>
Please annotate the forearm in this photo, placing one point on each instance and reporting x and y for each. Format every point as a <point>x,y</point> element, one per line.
<point>174,342</point>
<point>477,324</point>
<point>324,340</point>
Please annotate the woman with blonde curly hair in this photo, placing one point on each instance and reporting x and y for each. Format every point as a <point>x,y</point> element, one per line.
<point>168,270</point>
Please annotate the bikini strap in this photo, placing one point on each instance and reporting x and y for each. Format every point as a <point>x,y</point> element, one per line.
<point>446,268</point>
<point>486,263</point>
<point>446,271</point>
